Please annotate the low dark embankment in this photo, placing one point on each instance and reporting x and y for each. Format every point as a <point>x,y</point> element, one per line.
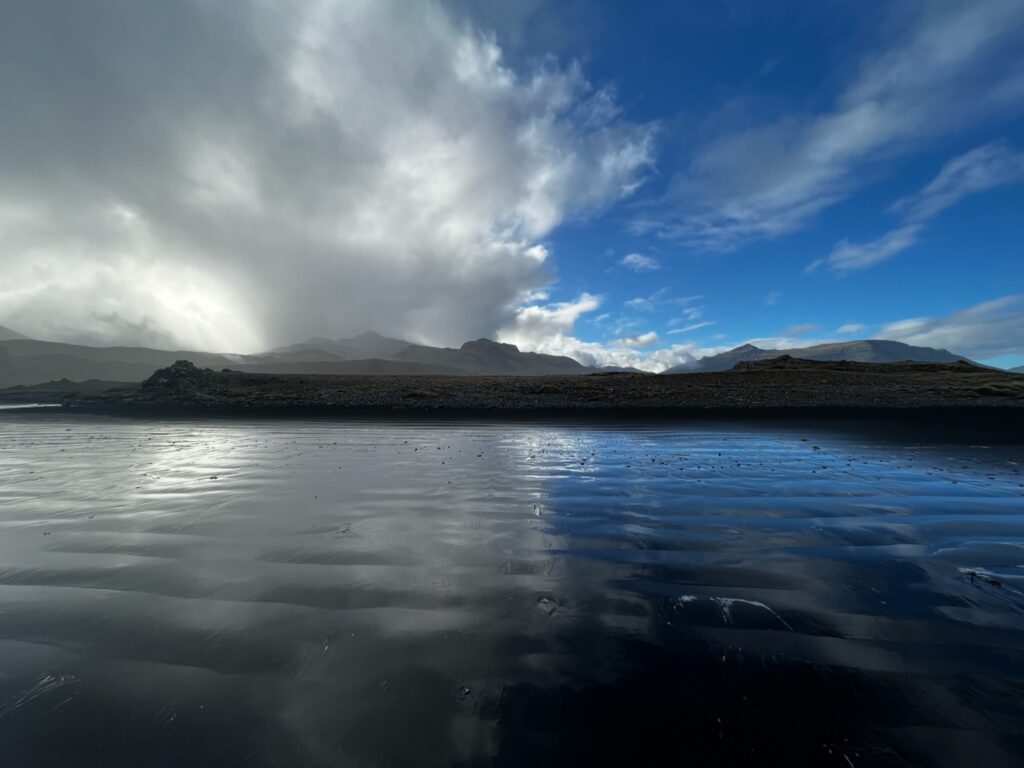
<point>946,396</point>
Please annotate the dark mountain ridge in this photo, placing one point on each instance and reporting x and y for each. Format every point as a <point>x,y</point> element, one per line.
<point>28,361</point>
<point>862,351</point>
<point>6,333</point>
<point>25,361</point>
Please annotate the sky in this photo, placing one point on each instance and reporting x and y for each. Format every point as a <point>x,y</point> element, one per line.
<point>626,183</point>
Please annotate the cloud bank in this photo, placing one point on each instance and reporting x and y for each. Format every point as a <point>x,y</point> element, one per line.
<point>232,176</point>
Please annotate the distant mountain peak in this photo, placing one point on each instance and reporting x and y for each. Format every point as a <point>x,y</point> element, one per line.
<point>33,362</point>
<point>485,344</point>
<point>6,334</point>
<point>860,350</point>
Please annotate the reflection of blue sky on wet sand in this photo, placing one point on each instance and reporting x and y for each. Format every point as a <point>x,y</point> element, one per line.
<point>330,592</point>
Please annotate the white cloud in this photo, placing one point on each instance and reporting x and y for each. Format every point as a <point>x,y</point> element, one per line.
<point>549,329</point>
<point>534,323</point>
<point>848,256</point>
<point>647,303</point>
<point>661,298</point>
<point>772,298</point>
<point>692,327</point>
<point>639,263</point>
<point>982,168</point>
<point>624,323</point>
<point>640,340</point>
<point>981,331</point>
<point>945,71</point>
<point>277,170</point>
<point>787,341</point>
<point>622,355</point>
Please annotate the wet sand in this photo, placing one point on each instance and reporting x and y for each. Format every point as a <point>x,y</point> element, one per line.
<point>311,593</point>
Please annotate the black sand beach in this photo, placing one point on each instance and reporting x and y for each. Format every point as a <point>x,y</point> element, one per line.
<point>940,397</point>
<point>324,592</point>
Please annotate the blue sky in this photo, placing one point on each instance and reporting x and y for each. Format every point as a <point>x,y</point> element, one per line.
<point>704,71</point>
<point>627,183</point>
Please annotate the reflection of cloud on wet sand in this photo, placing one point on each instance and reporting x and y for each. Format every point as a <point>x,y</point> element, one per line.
<point>316,588</point>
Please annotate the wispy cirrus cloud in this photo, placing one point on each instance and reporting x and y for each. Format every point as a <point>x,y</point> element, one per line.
<point>639,263</point>
<point>983,330</point>
<point>847,256</point>
<point>978,170</point>
<point>662,298</point>
<point>944,72</point>
<point>983,168</point>
<point>692,327</point>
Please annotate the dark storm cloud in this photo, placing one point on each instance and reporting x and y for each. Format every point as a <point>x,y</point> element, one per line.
<point>237,175</point>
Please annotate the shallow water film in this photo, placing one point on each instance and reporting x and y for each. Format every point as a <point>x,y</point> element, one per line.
<point>328,593</point>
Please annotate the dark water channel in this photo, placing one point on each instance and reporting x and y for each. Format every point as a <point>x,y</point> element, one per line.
<point>326,593</point>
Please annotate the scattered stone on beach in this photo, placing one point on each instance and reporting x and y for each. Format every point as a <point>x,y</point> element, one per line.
<point>984,578</point>
<point>547,606</point>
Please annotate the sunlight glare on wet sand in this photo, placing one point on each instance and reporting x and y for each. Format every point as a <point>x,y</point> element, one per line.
<point>345,593</point>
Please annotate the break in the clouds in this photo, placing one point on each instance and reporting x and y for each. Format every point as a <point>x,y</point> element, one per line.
<point>551,329</point>
<point>944,70</point>
<point>229,176</point>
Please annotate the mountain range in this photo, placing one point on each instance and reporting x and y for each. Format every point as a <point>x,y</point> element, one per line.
<point>30,361</point>
<point>866,351</point>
